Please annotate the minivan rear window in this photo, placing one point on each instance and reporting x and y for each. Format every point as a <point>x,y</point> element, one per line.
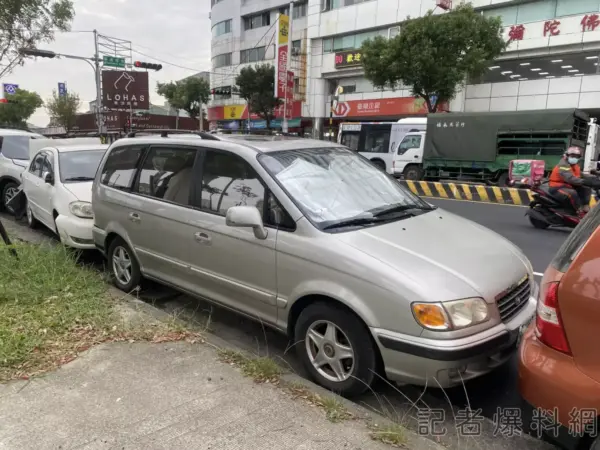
<point>15,147</point>
<point>575,242</point>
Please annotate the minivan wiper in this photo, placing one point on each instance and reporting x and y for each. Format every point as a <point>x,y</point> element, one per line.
<point>393,209</point>
<point>356,221</point>
<point>79,179</point>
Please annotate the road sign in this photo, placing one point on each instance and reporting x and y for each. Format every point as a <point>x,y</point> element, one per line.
<point>113,61</point>
<point>9,88</point>
<point>62,89</point>
<point>433,99</point>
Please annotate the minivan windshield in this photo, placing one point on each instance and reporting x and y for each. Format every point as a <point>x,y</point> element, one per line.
<point>335,187</point>
<point>79,165</point>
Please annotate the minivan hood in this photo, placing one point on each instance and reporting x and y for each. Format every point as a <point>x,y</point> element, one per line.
<point>443,255</point>
<point>82,190</point>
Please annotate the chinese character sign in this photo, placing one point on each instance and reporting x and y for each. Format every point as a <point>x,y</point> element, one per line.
<point>590,22</point>
<point>551,28</point>
<point>516,33</point>
<point>281,63</point>
<point>351,58</point>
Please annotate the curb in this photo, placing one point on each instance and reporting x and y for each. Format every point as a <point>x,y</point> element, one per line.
<point>472,192</point>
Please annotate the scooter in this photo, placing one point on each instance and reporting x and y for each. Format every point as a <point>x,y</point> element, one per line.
<point>545,211</point>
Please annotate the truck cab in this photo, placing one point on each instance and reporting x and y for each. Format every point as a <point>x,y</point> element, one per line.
<point>408,156</point>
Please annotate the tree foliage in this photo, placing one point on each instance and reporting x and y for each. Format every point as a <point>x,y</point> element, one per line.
<point>22,104</point>
<point>256,85</point>
<point>63,110</point>
<point>187,94</point>
<point>26,23</point>
<point>434,54</point>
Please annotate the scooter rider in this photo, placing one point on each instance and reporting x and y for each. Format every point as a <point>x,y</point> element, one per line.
<point>567,183</point>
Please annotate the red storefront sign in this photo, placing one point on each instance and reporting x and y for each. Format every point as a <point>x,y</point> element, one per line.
<point>398,106</point>
<point>282,58</point>
<point>218,112</point>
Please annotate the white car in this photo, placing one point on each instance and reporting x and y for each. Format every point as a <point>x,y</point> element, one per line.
<point>14,159</point>
<point>58,188</point>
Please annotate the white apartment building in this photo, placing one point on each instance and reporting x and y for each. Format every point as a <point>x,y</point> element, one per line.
<point>552,61</point>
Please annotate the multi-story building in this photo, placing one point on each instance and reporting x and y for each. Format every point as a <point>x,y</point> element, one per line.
<point>551,62</point>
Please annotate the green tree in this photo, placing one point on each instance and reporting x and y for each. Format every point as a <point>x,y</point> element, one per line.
<point>434,54</point>
<point>63,110</point>
<point>187,94</point>
<point>20,107</point>
<point>256,85</point>
<point>26,23</point>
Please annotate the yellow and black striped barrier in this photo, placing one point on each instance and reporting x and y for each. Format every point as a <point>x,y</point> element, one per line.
<point>472,192</point>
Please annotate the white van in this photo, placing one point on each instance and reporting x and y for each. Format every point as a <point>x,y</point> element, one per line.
<point>14,158</point>
<point>378,141</point>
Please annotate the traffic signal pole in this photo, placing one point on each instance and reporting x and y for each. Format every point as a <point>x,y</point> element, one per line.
<point>99,118</point>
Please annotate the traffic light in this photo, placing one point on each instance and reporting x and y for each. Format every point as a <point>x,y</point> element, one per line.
<point>222,91</point>
<point>127,126</point>
<point>145,65</point>
<point>37,52</point>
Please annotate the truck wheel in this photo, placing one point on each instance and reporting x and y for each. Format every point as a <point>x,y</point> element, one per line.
<point>379,163</point>
<point>412,172</point>
<point>503,180</point>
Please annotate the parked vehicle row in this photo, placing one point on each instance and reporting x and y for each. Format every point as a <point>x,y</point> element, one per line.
<point>311,239</point>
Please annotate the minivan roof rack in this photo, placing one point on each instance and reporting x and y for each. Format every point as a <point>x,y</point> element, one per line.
<point>167,132</point>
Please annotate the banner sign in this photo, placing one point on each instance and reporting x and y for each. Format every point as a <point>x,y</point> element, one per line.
<point>62,89</point>
<point>289,95</point>
<point>125,89</point>
<point>9,88</point>
<point>281,63</point>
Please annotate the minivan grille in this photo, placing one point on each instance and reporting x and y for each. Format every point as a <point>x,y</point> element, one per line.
<point>510,303</point>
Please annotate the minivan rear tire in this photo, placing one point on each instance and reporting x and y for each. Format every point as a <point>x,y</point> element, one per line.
<point>7,191</point>
<point>118,255</point>
<point>351,330</point>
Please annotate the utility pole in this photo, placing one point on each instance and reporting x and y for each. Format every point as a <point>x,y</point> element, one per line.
<point>284,124</point>
<point>99,118</point>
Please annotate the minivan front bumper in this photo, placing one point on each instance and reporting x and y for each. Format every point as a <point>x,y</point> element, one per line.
<point>447,363</point>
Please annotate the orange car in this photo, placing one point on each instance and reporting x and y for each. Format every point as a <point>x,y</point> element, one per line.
<point>559,357</point>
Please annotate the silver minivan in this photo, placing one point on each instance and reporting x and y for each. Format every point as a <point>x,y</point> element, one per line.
<point>313,240</point>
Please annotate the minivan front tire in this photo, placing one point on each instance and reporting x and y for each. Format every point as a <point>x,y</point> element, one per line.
<point>124,267</point>
<point>336,348</point>
<point>8,191</point>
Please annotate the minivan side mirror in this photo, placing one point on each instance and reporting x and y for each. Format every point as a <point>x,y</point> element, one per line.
<point>48,177</point>
<point>246,217</point>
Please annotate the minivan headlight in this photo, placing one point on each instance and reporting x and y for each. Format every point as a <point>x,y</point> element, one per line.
<point>81,209</point>
<point>451,315</point>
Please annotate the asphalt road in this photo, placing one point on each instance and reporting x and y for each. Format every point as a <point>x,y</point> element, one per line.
<point>495,390</point>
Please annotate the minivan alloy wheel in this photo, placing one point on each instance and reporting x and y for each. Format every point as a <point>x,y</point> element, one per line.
<point>121,262</point>
<point>9,194</point>
<point>330,351</point>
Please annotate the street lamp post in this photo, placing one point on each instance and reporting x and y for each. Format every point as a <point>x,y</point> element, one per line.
<point>93,62</point>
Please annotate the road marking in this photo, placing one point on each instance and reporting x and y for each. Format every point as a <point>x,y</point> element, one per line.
<point>537,274</point>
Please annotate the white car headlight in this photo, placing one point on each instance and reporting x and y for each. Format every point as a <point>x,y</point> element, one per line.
<point>81,209</point>
<point>451,315</point>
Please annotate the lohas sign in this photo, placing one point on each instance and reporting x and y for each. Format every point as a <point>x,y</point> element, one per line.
<point>125,89</point>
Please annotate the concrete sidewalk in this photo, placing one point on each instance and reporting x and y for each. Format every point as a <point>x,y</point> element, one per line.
<point>166,396</point>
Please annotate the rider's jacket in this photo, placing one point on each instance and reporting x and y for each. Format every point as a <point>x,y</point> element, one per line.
<point>565,175</point>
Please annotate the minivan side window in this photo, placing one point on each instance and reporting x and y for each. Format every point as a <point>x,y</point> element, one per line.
<point>167,174</point>
<point>228,180</point>
<point>120,167</point>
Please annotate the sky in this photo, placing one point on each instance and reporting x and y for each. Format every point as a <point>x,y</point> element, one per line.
<point>174,31</point>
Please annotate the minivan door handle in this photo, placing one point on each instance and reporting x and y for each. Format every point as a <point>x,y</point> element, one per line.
<point>202,238</point>
<point>134,217</point>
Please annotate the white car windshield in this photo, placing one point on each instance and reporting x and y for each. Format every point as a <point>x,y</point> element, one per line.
<point>79,165</point>
<point>334,185</point>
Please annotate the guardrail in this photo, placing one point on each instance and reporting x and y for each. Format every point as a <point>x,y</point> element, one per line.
<point>472,192</point>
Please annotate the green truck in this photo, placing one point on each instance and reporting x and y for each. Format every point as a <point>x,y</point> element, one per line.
<point>480,146</point>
